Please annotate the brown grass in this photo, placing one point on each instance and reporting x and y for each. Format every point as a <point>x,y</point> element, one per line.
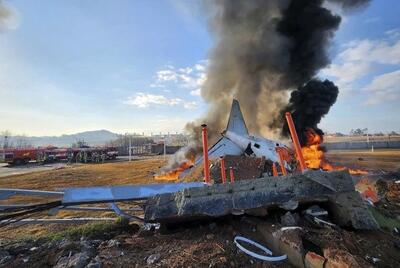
<point>135,172</point>
<point>328,138</point>
<point>119,173</point>
<point>388,159</point>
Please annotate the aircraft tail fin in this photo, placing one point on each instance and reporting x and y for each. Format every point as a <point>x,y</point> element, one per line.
<point>236,122</point>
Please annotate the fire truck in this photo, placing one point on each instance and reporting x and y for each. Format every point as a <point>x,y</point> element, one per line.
<point>54,154</point>
<point>20,156</point>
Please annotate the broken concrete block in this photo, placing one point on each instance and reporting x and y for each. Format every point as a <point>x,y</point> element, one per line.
<point>289,219</point>
<point>313,260</point>
<point>243,196</point>
<point>348,209</point>
<point>287,242</point>
<point>291,244</point>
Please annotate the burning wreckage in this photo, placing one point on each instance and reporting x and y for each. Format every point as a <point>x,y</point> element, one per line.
<point>242,174</point>
<point>258,187</point>
<point>255,186</point>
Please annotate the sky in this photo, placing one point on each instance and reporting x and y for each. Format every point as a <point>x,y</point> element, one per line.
<point>138,66</point>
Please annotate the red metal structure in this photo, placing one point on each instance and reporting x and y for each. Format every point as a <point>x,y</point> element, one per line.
<point>205,154</point>
<point>274,170</point>
<point>279,150</point>
<point>231,174</point>
<point>223,172</point>
<point>296,142</point>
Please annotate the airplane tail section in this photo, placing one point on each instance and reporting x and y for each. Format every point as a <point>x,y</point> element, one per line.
<point>236,122</point>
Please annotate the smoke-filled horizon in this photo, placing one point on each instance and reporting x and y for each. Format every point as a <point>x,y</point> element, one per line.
<point>264,49</point>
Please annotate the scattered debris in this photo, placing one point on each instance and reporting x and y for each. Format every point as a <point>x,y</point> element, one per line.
<point>372,260</point>
<point>261,247</point>
<point>289,219</point>
<point>153,258</point>
<point>316,211</point>
<point>340,258</point>
<point>313,260</point>
<point>324,223</point>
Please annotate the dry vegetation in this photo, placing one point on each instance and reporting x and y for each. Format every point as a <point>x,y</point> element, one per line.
<point>119,173</point>
<point>135,172</point>
<point>328,138</point>
<point>141,172</point>
<point>379,159</point>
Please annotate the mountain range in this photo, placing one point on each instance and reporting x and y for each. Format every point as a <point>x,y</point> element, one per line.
<point>92,138</point>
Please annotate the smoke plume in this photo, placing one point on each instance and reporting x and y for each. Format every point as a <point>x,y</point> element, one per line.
<point>263,50</point>
<point>8,17</point>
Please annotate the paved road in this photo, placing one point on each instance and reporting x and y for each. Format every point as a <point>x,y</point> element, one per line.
<point>6,170</point>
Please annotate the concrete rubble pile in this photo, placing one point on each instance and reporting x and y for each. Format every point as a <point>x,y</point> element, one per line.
<point>305,202</point>
<point>257,196</point>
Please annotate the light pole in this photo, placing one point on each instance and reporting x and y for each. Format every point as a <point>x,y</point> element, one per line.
<point>165,147</point>
<point>130,148</point>
<point>5,143</point>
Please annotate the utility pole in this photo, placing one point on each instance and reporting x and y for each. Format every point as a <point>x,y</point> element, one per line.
<point>130,148</point>
<point>165,147</point>
<point>5,144</point>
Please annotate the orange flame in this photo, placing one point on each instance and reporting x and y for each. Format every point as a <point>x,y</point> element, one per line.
<point>173,175</point>
<point>314,155</point>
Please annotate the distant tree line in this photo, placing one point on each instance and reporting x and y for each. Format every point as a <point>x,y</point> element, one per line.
<point>7,140</point>
<point>364,132</point>
<point>123,141</point>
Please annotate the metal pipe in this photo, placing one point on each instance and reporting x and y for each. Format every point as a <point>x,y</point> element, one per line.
<point>274,171</point>
<point>296,142</point>
<point>223,173</point>
<point>59,221</point>
<point>279,150</point>
<point>231,174</point>
<point>205,154</point>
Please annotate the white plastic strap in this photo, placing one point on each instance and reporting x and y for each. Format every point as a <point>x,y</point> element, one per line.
<point>290,228</point>
<point>255,255</point>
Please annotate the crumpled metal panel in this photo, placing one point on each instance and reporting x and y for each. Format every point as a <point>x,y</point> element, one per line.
<point>6,193</point>
<point>122,193</point>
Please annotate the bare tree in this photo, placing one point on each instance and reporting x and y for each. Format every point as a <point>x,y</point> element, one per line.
<point>5,138</point>
<point>80,144</point>
<point>22,142</point>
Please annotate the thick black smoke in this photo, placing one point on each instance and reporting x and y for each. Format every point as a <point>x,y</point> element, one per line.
<point>263,50</point>
<point>308,104</point>
<point>309,27</point>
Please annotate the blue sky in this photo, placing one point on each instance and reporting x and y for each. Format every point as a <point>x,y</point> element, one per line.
<point>137,66</point>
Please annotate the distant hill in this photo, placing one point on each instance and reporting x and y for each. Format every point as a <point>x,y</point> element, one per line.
<point>93,138</point>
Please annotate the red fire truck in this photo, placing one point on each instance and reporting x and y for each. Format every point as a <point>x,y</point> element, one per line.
<point>20,156</point>
<point>53,154</point>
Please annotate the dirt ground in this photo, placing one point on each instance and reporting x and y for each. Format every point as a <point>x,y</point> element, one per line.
<point>6,170</point>
<point>119,173</point>
<point>134,172</point>
<point>198,244</point>
<point>328,138</point>
<point>385,159</point>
